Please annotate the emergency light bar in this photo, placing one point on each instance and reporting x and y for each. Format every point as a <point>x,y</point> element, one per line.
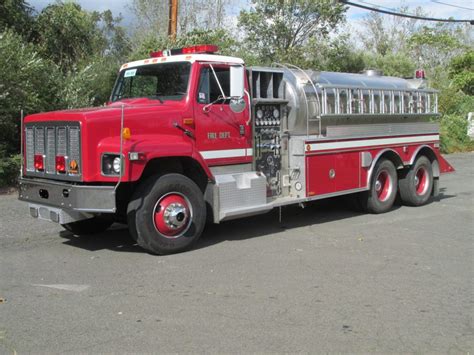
<point>199,49</point>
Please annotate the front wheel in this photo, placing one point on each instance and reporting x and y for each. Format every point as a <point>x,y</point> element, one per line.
<point>167,214</point>
<point>383,188</point>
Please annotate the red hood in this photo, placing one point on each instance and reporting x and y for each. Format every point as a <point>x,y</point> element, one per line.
<point>113,110</point>
<point>100,127</point>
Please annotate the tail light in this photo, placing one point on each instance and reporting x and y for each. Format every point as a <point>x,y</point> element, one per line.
<point>39,162</point>
<point>60,164</point>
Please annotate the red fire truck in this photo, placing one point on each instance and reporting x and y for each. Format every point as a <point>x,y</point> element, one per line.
<point>191,136</point>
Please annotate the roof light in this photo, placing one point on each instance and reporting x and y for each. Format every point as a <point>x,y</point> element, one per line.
<point>199,49</point>
<point>420,74</point>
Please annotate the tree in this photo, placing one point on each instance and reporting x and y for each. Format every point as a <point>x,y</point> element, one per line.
<point>276,28</point>
<point>16,15</point>
<point>385,34</point>
<point>194,15</point>
<point>461,72</point>
<point>67,34</point>
<point>28,82</point>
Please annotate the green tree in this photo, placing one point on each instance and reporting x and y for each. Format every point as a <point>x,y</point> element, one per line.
<point>27,82</point>
<point>220,37</point>
<point>461,72</point>
<point>16,15</point>
<point>392,64</point>
<point>276,29</point>
<point>69,35</point>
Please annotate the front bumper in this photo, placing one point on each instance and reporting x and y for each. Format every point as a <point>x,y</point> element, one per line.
<point>68,197</point>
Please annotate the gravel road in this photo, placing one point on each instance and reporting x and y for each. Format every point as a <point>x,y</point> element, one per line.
<point>324,280</point>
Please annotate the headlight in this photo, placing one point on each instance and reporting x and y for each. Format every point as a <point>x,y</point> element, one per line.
<point>116,165</point>
<point>111,164</point>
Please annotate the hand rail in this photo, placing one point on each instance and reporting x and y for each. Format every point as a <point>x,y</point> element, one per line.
<point>122,167</point>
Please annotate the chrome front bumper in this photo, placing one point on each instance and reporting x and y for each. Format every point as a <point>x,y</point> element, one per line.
<point>73,199</point>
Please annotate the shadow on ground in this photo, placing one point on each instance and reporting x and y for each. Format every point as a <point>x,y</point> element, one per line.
<point>117,238</point>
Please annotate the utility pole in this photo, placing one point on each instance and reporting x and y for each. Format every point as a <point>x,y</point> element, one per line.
<point>173,19</point>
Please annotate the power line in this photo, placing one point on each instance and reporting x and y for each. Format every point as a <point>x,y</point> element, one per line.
<point>457,6</point>
<point>403,15</point>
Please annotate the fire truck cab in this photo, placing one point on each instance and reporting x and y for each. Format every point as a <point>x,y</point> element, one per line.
<point>191,136</point>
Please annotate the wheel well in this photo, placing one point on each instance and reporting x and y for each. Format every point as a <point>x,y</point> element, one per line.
<point>386,154</point>
<point>180,165</point>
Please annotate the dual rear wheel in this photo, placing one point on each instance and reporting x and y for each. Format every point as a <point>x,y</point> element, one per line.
<point>415,186</point>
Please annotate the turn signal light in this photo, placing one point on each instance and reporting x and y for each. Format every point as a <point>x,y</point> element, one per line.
<point>126,133</point>
<point>39,162</point>
<point>60,164</point>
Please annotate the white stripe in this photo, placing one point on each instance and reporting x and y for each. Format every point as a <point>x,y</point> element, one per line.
<point>249,152</point>
<point>371,142</point>
<point>226,153</point>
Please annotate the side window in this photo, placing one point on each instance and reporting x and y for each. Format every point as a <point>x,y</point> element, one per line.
<point>208,90</point>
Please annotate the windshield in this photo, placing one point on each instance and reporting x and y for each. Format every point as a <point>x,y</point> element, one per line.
<point>165,81</point>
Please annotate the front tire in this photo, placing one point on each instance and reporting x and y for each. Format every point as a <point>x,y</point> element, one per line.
<point>417,184</point>
<point>383,188</point>
<point>167,214</point>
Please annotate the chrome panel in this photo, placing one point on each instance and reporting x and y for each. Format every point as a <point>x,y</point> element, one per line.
<point>51,150</point>
<point>84,198</point>
<point>374,130</point>
<point>57,215</point>
<point>52,138</point>
<point>29,149</point>
<point>237,192</point>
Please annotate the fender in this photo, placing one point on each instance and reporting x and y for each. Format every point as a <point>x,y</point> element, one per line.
<point>162,146</point>
<point>440,165</point>
<point>376,159</point>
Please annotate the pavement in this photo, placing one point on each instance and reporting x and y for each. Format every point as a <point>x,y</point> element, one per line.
<point>326,279</point>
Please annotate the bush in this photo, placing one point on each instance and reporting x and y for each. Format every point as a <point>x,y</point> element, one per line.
<point>453,134</point>
<point>9,170</point>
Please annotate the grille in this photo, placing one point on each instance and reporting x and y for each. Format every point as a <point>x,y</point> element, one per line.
<point>50,140</point>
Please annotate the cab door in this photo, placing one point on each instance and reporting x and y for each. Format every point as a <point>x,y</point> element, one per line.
<point>223,137</point>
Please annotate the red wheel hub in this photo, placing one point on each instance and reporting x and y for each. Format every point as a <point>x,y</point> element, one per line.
<point>383,185</point>
<point>421,181</point>
<point>172,215</point>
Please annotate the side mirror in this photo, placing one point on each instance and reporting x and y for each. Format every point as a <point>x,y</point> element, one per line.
<point>237,102</point>
<point>236,81</point>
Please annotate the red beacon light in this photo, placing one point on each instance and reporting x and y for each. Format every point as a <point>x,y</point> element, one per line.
<point>420,74</point>
<point>199,49</point>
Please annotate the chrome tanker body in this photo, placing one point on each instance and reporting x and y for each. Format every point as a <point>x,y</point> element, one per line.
<point>317,100</point>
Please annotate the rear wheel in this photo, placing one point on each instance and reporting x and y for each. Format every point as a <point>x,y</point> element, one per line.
<point>167,214</point>
<point>417,184</point>
<point>89,226</point>
<point>383,188</point>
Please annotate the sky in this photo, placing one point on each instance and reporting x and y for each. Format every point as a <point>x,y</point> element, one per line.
<point>435,8</point>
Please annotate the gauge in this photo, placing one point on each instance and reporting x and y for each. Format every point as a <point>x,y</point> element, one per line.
<point>259,113</point>
<point>276,113</point>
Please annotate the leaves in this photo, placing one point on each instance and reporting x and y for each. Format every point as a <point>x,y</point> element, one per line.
<point>277,29</point>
